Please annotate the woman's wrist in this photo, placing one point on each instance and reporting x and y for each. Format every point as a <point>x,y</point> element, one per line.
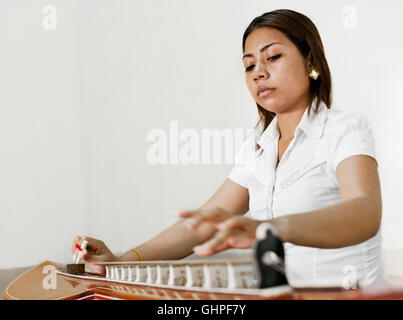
<point>128,256</point>
<point>281,225</point>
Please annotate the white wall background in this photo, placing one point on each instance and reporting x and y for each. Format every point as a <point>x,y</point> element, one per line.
<point>78,102</point>
<point>42,196</point>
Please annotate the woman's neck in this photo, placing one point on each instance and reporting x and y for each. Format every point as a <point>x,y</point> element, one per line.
<point>288,121</point>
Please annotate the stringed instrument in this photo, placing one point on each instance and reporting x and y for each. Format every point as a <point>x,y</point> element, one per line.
<point>256,278</point>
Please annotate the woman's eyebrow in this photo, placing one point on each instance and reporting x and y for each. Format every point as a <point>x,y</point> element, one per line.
<point>261,49</point>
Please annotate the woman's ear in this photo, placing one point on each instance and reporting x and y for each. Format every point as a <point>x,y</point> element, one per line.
<point>309,63</point>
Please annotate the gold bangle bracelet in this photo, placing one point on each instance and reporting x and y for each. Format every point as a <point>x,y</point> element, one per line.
<point>138,253</point>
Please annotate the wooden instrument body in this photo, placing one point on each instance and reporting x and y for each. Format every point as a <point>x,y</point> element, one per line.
<point>30,285</point>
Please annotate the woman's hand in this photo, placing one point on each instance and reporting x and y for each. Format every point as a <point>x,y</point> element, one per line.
<point>232,231</point>
<point>96,251</point>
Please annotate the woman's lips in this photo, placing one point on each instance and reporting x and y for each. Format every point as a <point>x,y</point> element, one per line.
<point>266,92</point>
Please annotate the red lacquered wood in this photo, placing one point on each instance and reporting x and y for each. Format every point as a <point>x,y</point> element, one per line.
<point>29,286</point>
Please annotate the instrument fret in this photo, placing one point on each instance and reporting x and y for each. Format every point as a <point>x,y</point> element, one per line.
<point>232,274</point>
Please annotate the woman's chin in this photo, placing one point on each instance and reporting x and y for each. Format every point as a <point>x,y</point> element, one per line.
<point>270,108</point>
<point>268,104</point>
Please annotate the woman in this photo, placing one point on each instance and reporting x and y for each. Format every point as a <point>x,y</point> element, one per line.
<point>309,171</point>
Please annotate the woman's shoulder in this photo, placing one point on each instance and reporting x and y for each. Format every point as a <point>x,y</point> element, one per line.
<point>347,134</point>
<point>340,122</point>
<point>248,146</point>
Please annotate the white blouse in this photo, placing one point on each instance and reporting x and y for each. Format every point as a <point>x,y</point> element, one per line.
<point>305,180</point>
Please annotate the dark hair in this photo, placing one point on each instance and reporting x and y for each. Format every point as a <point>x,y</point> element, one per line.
<point>303,33</point>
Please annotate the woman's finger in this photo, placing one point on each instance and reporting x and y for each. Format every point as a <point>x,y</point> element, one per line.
<point>192,223</point>
<point>73,246</point>
<point>239,222</point>
<point>218,243</point>
<point>186,213</point>
<point>94,246</point>
<point>242,241</point>
<point>196,217</point>
<point>214,213</point>
<point>235,232</point>
<point>78,243</point>
<point>192,218</point>
<point>91,257</point>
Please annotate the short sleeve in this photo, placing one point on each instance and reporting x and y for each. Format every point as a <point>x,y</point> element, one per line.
<point>355,138</point>
<point>243,162</point>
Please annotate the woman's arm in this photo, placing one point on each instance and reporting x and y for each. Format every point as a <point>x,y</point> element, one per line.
<point>177,241</point>
<point>356,219</point>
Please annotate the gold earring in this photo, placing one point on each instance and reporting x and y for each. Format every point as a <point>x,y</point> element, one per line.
<point>314,74</point>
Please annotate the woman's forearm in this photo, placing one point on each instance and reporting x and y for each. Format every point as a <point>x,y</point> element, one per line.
<point>178,241</point>
<point>347,223</point>
<point>175,242</point>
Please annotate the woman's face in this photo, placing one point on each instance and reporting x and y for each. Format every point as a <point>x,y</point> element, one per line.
<point>272,60</point>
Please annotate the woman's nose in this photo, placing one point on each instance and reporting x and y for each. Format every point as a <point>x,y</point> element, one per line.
<point>261,75</point>
<point>261,72</point>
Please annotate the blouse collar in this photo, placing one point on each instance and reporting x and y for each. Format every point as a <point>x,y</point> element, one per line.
<point>312,125</point>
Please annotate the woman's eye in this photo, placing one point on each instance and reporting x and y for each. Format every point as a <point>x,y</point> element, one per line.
<point>268,59</point>
<point>249,68</point>
<point>274,57</point>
